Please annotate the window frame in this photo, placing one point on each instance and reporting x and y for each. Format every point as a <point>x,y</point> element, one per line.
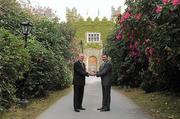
<point>93,37</point>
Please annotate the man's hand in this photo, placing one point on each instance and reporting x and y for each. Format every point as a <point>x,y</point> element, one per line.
<point>93,73</point>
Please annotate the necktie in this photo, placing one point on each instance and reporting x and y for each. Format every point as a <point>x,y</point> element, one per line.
<point>82,65</point>
<point>102,65</point>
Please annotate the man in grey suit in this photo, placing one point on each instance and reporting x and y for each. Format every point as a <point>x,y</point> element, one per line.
<point>105,72</point>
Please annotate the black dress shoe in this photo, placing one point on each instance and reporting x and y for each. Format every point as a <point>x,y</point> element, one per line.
<point>76,110</point>
<point>104,110</point>
<point>81,108</point>
<point>100,108</point>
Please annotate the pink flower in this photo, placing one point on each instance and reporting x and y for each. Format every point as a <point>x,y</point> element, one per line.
<point>149,51</point>
<point>119,37</point>
<point>134,50</point>
<point>165,1</point>
<point>176,2</point>
<point>126,15</point>
<point>136,45</point>
<point>159,9</point>
<point>135,53</point>
<point>121,20</point>
<point>131,46</point>
<point>146,41</point>
<point>138,16</point>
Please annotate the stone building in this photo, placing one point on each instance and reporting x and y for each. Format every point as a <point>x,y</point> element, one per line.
<point>115,12</point>
<point>93,55</point>
<point>93,34</point>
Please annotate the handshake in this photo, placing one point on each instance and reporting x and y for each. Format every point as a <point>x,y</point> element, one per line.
<point>92,73</point>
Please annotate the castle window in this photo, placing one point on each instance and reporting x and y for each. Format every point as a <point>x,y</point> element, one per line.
<point>93,37</point>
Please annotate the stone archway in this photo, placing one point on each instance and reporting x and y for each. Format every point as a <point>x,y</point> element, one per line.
<point>92,63</point>
<point>92,57</point>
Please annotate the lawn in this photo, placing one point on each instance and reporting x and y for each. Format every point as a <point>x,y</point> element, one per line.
<point>35,107</point>
<point>162,105</point>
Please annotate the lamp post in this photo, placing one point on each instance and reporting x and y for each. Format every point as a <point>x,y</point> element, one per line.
<point>26,28</point>
<point>81,44</point>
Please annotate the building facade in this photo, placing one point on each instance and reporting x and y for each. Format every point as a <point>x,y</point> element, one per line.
<point>93,34</point>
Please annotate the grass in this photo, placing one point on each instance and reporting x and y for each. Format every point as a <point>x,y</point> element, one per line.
<point>35,107</point>
<point>161,105</point>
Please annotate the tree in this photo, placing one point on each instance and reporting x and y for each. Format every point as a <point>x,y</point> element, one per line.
<point>96,19</point>
<point>89,19</point>
<point>104,19</point>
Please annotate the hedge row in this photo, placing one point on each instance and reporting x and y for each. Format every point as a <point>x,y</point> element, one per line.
<point>42,66</point>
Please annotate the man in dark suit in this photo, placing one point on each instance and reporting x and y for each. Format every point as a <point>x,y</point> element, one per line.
<point>105,72</point>
<point>79,82</point>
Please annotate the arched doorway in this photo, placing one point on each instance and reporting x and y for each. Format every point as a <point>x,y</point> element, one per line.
<point>92,63</point>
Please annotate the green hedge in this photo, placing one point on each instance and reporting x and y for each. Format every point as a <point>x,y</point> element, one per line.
<point>14,62</point>
<point>41,67</point>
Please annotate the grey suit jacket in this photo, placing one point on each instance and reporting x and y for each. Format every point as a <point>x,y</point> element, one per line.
<point>105,72</point>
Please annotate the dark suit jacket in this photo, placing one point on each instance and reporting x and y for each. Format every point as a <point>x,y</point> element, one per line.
<point>79,74</point>
<point>105,72</point>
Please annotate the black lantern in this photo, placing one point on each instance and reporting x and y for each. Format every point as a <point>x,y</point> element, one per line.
<point>26,29</point>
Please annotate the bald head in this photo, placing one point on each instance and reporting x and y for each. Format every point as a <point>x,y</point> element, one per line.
<point>81,57</point>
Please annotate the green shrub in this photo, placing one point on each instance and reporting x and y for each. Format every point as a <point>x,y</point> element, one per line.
<point>14,61</point>
<point>41,67</point>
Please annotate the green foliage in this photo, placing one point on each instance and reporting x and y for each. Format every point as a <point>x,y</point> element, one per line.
<point>89,19</point>
<point>14,61</point>
<point>41,67</point>
<point>55,36</point>
<point>38,79</point>
<point>149,83</point>
<point>147,40</point>
<point>11,15</point>
<point>103,27</point>
<point>47,72</point>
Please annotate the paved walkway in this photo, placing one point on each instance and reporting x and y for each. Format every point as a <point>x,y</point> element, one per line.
<point>121,106</point>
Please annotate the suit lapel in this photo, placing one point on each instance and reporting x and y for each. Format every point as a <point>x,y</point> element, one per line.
<point>102,65</point>
<point>82,65</point>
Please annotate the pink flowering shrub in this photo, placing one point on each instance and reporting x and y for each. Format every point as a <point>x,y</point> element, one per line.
<point>159,9</point>
<point>146,37</point>
<point>125,16</point>
<point>176,2</point>
<point>165,1</point>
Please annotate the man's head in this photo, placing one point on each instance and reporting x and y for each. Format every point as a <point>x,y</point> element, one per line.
<point>81,57</point>
<point>104,57</point>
